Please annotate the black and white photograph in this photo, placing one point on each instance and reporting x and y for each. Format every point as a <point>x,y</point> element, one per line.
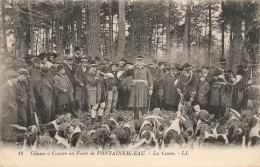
<point>129,83</point>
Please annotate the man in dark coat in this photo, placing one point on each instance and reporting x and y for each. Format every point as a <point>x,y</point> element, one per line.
<point>25,99</point>
<point>64,89</point>
<point>187,84</point>
<point>239,97</point>
<point>170,96</point>
<point>8,111</point>
<point>46,90</point>
<point>221,91</point>
<point>68,66</point>
<point>81,99</point>
<point>157,76</point>
<point>143,87</point>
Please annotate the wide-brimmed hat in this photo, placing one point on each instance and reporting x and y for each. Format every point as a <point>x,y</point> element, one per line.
<point>43,55</point>
<point>28,56</point>
<point>114,64</point>
<point>128,62</point>
<point>93,64</point>
<point>36,60</point>
<point>223,61</point>
<point>139,58</point>
<point>67,57</point>
<point>23,71</point>
<point>53,54</point>
<point>123,59</point>
<point>84,59</point>
<point>186,66</point>
<point>205,67</point>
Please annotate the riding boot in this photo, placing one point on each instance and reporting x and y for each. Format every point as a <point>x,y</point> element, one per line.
<point>136,113</point>
<point>93,121</point>
<point>99,119</point>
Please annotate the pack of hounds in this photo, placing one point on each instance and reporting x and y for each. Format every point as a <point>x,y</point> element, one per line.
<point>190,127</point>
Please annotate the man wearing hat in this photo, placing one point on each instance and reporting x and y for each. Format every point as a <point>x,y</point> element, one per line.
<point>8,104</point>
<point>81,99</point>
<point>46,91</point>
<point>170,96</point>
<point>157,76</point>
<point>239,96</point>
<point>68,66</point>
<point>28,60</point>
<point>187,84</point>
<point>64,90</point>
<point>77,54</point>
<point>206,73</point>
<point>142,89</point>
<point>220,92</point>
<point>112,88</point>
<point>51,57</point>
<point>25,99</point>
<point>94,92</point>
<point>122,64</point>
<point>44,58</point>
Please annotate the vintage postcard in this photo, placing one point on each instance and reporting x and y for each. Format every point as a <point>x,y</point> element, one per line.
<point>129,83</point>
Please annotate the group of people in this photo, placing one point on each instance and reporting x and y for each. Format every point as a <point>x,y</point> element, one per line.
<point>38,88</point>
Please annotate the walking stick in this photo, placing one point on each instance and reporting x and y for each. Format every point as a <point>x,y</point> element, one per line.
<point>149,103</point>
<point>82,99</point>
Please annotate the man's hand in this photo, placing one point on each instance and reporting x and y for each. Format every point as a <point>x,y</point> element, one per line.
<point>65,91</point>
<point>81,84</point>
<point>150,92</point>
<point>250,82</point>
<point>221,76</point>
<point>178,91</point>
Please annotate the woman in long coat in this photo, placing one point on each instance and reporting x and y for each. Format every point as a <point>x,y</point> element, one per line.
<point>170,96</point>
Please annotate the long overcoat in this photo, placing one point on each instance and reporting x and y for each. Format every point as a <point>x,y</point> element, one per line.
<point>142,83</point>
<point>63,82</point>
<point>170,96</point>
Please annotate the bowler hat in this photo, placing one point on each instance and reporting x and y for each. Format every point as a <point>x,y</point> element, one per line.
<point>93,64</point>
<point>28,56</point>
<point>139,58</point>
<point>24,71</point>
<point>114,64</point>
<point>43,55</point>
<point>186,66</point>
<point>223,61</point>
<point>53,54</point>
<point>67,57</point>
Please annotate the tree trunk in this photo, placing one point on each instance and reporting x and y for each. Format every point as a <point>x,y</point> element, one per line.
<point>79,25</point>
<point>222,32</point>
<point>237,37</point>
<point>186,41</point>
<point>168,49</point>
<point>121,29</point>
<point>31,31</point>
<point>4,29</point>
<point>47,41</point>
<point>94,29</point>
<point>110,29</point>
<point>52,29</point>
<point>210,58</point>
<point>58,37</point>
